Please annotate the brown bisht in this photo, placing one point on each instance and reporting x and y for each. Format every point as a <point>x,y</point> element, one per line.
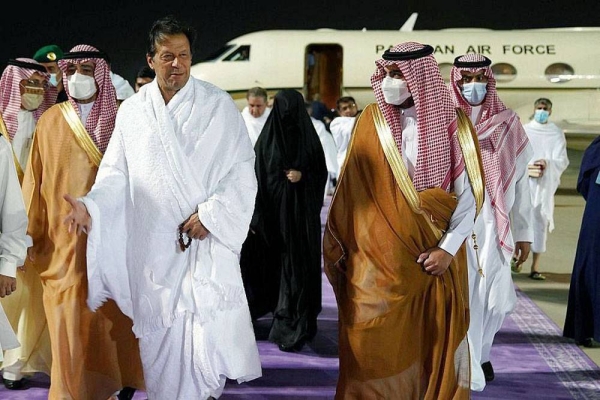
<point>402,332</point>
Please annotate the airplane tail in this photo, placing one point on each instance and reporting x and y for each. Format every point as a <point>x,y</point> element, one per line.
<point>410,23</point>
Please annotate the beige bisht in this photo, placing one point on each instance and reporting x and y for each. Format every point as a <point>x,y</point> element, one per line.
<point>94,354</point>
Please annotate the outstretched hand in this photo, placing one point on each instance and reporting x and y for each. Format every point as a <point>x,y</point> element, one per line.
<point>78,220</point>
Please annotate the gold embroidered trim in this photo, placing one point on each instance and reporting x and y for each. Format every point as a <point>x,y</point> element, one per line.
<point>7,136</point>
<point>399,169</point>
<point>82,136</point>
<point>467,138</point>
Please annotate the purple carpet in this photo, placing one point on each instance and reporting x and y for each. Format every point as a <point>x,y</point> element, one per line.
<point>530,357</point>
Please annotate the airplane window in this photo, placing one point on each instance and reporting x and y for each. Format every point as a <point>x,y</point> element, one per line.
<point>445,69</point>
<point>504,72</point>
<point>242,53</point>
<point>559,73</point>
<point>218,53</point>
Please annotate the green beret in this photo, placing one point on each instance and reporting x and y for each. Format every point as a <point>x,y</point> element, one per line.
<point>48,54</point>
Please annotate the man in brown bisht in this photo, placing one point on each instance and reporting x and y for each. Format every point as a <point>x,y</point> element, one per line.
<point>394,241</point>
<point>94,354</point>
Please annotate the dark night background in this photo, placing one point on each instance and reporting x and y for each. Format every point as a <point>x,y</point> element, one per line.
<point>120,28</point>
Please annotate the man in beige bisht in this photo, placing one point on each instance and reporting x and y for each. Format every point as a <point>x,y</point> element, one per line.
<point>94,354</point>
<point>24,96</point>
<point>394,242</point>
<point>170,209</point>
<point>13,243</point>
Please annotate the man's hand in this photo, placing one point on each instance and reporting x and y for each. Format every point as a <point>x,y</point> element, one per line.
<point>194,228</point>
<point>293,175</point>
<point>542,164</point>
<point>435,261</point>
<point>7,285</point>
<point>78,220</point>
<point>521,252</point>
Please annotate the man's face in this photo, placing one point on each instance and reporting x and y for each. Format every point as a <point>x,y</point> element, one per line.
<point>257,106</point>
<point>347,109</point>
<point>52,68</point>
<point>85,68</point>
<point>36,84</point>
<point>468,77</point>
<point>172,62</point>
<point>543,106</point>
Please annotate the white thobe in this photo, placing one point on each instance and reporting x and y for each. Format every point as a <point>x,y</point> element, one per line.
<point>492,295</point>
<point>164,163</point>
<point>549,144</point>
<point>13,233</point>
<point>461,221</point>
<point>21,141</point>
<point>254,125</point>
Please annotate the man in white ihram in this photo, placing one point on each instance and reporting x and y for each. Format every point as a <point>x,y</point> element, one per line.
<point>328,148</point>
<point>548,162</point>
<point>255,114</point>
<point>168,213</point>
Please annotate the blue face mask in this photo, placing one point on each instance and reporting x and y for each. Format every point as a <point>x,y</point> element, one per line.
<point>474,92</point>
<point>541,116</point>
<point>53,80</point>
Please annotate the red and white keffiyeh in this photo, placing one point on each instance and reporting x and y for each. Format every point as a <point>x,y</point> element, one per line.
<point>10,93</point>
<point>500,148</point>
<point>439,158</point>
<point>101,121</point>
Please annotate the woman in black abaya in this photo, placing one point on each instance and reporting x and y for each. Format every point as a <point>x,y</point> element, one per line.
<point>286,226</point>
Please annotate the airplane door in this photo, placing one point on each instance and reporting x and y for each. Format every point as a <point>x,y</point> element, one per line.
<point>323,72</point>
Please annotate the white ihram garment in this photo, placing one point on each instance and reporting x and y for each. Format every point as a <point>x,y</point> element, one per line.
<point>341,129</point>
<point>253,124</point>
<point>330,151</point>
<point>162,164</point>
<point>549,143</point>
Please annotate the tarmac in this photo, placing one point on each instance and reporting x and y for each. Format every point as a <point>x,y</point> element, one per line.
<point>556,263</point>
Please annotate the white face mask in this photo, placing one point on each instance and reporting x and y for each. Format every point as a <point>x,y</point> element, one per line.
<point>474,92</point>
<point>395,91</point>
<point>541,116</point>
<point>81,87</point>
<point>31,101</point>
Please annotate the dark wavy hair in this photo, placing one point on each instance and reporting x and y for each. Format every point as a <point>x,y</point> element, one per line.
<point>169,26</point>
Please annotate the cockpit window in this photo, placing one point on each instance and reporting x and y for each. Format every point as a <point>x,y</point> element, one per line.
<point>242,53</point>
<point>219,53</point>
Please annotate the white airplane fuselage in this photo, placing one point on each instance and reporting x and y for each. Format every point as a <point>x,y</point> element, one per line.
<point>562,64</point>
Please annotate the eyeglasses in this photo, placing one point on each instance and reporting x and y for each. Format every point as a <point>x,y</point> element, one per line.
<point>36,84</point>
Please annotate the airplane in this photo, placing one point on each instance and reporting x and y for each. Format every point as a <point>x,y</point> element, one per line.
<point>561,64</point>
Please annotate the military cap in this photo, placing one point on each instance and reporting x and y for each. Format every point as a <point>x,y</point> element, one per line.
<point>48,54</point>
